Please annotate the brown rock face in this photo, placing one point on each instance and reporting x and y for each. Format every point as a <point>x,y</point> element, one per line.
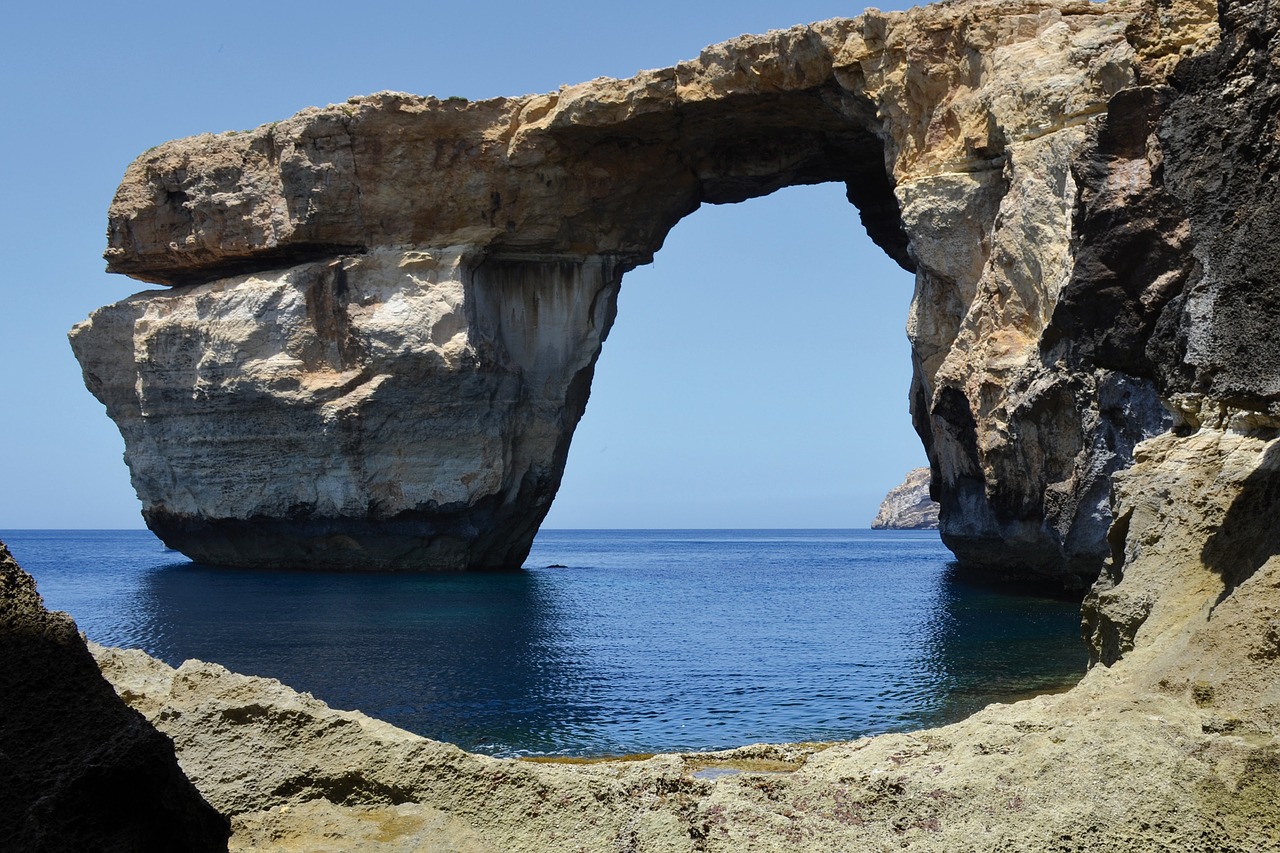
<point>78,769</point>
<point>386,313</point>
<point>1191,586</point>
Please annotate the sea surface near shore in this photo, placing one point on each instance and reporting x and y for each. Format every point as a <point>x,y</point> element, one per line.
<point>609,642</point>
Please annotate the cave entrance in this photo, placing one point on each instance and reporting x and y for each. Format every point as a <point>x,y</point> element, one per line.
<point>757,376</point>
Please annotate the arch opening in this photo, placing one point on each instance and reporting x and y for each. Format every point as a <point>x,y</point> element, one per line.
<point>757,376</point>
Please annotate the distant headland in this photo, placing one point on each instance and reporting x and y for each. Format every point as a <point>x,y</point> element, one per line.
<point>908,505</point>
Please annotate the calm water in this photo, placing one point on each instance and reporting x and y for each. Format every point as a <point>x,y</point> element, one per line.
<point>647,641</point>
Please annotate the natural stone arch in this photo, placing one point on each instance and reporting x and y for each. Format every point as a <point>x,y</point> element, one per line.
<point>386,313</point>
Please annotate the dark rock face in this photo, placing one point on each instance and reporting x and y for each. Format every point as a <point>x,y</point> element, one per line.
<point>1208,336</point>
<point>78,769</point>
<point>1133,244</point>
<point>1096,393</point>
<point>1175,280</point>
<point>1221,338</point>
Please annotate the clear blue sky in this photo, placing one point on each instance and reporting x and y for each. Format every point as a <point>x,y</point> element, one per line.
<point>757,374</point>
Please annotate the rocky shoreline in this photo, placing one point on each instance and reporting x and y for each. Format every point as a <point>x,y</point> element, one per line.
<point>1096,385</point>
<point>1168,743</point>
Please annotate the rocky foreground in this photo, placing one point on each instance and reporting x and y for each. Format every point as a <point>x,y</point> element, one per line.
<point>79,770</point>
<point>1170,742</point>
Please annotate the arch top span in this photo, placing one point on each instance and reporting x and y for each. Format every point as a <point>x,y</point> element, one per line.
<point>408,295</point>
<point>605,167</point>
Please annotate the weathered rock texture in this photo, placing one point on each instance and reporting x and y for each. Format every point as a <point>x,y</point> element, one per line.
<point>1193,577</point>
<point>396,409</point>
<point>1170,742</point>
<point>386,313</point>
<point>908,505</point>
<point>78,769</point>
<point>1158,752</point>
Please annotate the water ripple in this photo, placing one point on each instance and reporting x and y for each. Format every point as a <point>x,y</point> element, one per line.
<point>648,641</point>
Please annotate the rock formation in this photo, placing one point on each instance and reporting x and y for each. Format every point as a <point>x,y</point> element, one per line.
<point>1149,227</point>
<point>385,314</point>
<point>1171,747</point>
<point>1195,544</point>
<point>908,505</point>
<point>78,769</point>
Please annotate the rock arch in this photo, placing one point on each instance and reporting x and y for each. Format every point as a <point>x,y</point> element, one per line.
<point>385,314</point>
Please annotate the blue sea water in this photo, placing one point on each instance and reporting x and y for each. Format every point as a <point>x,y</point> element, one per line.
<point>645,640</point>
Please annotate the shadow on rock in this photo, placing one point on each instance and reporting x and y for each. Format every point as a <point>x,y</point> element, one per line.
<point>1250,531</point>
<point>78,769</point>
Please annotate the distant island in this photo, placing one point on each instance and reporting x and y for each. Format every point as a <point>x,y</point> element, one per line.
<point>908,505</point>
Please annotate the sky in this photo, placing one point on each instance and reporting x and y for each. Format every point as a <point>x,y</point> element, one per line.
<point>757,374</point>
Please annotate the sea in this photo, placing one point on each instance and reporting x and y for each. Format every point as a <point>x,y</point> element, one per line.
<point>607,642</point>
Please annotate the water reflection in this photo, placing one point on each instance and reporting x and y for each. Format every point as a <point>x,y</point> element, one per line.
<point>986,643</point>
<point>470,657</point>
<point>648,641</point>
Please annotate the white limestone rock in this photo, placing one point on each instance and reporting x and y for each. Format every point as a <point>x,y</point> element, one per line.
<point>908,505</point>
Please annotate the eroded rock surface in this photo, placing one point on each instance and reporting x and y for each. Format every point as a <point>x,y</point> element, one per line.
<point>386,313</point>
<point>1188,765</point>
<point>395,409</point>
<point>1192,580</point>
<point>1169,743</point>
<point>908,506</point>
<point>78,769</point>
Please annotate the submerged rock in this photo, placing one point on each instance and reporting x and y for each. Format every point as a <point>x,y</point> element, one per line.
<point>908,505</point>
<point>385,314</point>
<point>78,769</point>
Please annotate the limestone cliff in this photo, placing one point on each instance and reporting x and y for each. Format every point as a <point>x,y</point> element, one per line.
<point>78,769</point>
<point>386,313</point>
<point>1169,743</point>
<point>908,505</point>
<point>1192,581</point>
<point>398,408</point>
